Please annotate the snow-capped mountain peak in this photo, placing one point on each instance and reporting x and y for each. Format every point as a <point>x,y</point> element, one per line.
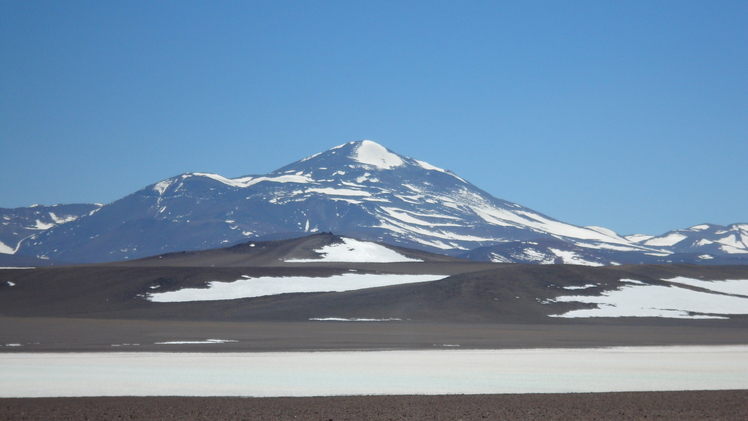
<point>360,155</point>
<point>365,158</point>
<point>372,153</point>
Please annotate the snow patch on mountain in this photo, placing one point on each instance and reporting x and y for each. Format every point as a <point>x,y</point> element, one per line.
<point>244,182</point>
<point>572,258</point>
<point>42,226</point>
<point>62,220</point>
<point>407,217</point>
<point>161,186</point>
<point>372,153</point>
<point>638,238</point>
<point>417,233</point>
<point>312,156</point>
<point>537,222</point>
<point>604,231</point>
<point>668,240</point>
<point>351,250</point>
<point>427,166</point>
<point>732,250</point>
<point>338,192</point>
<point>731,241</point>
<point>6,249</point>
<point>534,255</point>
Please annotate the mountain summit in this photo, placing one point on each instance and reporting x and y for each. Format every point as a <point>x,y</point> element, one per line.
<point>359,189</point>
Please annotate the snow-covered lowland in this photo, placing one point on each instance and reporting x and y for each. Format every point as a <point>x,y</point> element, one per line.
<point>712,300</point>
<point>207,341</point>
<point>258,287</point>
<point>432,372</point>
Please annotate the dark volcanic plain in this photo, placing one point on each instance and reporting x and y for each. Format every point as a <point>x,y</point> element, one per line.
<point>664,406</point>
<point>103,308</point>
<point>476,305</point>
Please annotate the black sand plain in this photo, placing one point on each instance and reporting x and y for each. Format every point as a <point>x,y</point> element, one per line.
<point>103,308</point>
<point>664,406</point>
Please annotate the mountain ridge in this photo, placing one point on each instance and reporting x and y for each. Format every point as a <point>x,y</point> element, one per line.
<point>358,189</point>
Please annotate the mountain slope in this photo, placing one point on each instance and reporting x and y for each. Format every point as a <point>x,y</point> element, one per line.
<point>359,189</point>
<point>21,223</point>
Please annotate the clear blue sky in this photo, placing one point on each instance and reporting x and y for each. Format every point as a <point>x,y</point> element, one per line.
<point>628,115</point>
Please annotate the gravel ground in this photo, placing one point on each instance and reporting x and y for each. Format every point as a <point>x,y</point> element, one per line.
<point>692,405</point>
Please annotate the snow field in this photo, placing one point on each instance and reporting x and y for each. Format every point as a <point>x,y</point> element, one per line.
<point>259,287</point>
<point>207,341</point>
<point>352,250</point>
<point>444,371</point>
<point>674,301</point>
<point>343,319</point>
<point>730,286</point>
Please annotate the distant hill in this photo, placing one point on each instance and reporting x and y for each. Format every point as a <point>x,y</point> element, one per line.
<point>317,248</point>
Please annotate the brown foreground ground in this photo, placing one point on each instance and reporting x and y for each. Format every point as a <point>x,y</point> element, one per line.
<point>700,405</point>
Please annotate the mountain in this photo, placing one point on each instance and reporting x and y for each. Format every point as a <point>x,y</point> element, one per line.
<point>21,223</point>
<point>701,244</point>
<point>707,240</point>
<point>359,189</point>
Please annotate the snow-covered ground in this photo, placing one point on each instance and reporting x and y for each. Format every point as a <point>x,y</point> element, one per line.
<point>343,319</point>
<point>352,250</point>
<point>207,341</point>
<point>638,299</point>
<point>444,371</point>
<point>573,287</point>
<point>730,286</point>
<point>258,287</point>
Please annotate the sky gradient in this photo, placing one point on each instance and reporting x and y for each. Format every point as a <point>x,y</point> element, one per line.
<point>628,115</point>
